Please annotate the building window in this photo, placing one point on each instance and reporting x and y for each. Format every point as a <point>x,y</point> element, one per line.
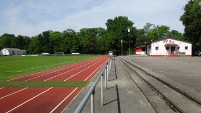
<point>186,47</point>
<point>178,47</point>
<point>157,48</point>
<point>167,48</point>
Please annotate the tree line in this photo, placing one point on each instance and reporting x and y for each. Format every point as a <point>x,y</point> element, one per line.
<point>114,38</point>
<point>89,40</point>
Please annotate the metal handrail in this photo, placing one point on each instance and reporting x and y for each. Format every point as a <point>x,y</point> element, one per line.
<point>91,91</point>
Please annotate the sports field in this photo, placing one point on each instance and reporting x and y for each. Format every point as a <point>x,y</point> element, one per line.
<point>13,66</point>
<point>45,84</point>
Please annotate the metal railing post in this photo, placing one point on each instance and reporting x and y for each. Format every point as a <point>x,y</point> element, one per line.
<point>92,102</point>
<point>102,90</point>
<point>105,78</point>
<point>109,66</point>
<point>110,63</point>
<point>107,71</point>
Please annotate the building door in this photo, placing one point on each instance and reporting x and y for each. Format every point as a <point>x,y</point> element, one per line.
<point>172,50</point>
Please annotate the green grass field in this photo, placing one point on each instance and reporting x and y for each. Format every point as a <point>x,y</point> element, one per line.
<point>15,66</point>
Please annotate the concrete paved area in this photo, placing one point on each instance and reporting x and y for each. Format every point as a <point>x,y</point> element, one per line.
<point>121,96</point>
<point>184,70</point>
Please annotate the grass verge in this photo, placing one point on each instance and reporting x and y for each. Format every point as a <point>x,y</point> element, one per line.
<point>43,84</point>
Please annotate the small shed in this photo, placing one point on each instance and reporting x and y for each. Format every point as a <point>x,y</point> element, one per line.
<point>12,51</point>
<point>166,47</point>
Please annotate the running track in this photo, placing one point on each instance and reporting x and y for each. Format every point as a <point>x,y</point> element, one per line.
<point>51,99</point>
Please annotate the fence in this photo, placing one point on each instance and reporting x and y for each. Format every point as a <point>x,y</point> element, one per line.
<point>91,92</point>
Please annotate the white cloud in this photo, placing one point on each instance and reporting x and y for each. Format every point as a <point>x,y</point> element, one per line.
<point>31,17</point>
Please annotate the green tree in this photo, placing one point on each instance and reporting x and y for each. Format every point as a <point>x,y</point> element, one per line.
<point>102,45</point>
<point>41,43</point>
<point>177,35</point>
<point>71,41</point>
<point>88,40</point>
<point>34,46</point>
<point>45,43</point>
<point>151,32</point>
<point>191,19</point>
<point>141,37</point>
<point>7,41</point>
<point>56,41</point>
<point>159,32</point>
<point>117,30</point>
<point>22,42</point>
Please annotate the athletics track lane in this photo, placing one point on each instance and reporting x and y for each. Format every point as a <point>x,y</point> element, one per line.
<point>64,71</point>
<point>47,72</point>
<point>41,102</point>
<point>82,73</point>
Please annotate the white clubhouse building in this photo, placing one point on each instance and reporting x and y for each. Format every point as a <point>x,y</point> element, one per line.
<point>165,47</point>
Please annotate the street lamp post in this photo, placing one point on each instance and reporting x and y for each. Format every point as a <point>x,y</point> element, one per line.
<point>129,42</point>
<point>200,3</point>
<point>121,48</point>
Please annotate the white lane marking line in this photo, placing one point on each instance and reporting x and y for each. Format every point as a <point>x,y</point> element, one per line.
<point>94,71</point>
<point>79,72</point>
<point>67,71</point>
<point>29,100</point>
<point>50,73</point>
<point>2,87</point>
<point>63,100</point>
<point>13,93</point>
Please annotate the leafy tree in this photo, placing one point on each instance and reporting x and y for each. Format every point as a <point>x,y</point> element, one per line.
<point>141,37</point>
<point>56,41</point>
<point>117,30</point>
<point>191,19</point>
<point>22,42</point>
<point>71,42</point>
<point>10,41</point>
<point>177,35</point>
<point>34,47</point>
<point>26,42</point>
<point>159,32</point>
<point>7,41</point>
<point>45,43</point>
<point>41,44</point>
<point>151,32</point>
<point>102,45</point>
<point>88,40</point>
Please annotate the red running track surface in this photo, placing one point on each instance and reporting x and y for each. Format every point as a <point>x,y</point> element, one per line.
<point>42,100</point>
<point>81,69</point>
<point>38,100</point>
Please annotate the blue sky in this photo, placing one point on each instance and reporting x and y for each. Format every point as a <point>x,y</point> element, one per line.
<point>31,17</point>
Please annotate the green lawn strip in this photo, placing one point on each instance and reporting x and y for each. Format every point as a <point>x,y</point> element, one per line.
<point>43,84</point>
<point>14,66</point>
